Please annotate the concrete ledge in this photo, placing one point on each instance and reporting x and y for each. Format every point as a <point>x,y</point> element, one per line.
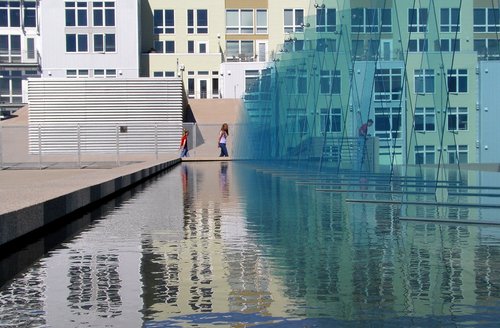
<point>20,222</point>
<point>205,159</point>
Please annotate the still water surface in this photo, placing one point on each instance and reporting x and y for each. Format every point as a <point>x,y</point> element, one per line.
<point>226,244</point>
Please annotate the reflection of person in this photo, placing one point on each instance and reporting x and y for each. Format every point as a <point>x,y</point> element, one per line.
<point>223,179</point>
<point>223,134</point>
<point>184,147</point>
<point>184,176</point>
<point>362,135</point>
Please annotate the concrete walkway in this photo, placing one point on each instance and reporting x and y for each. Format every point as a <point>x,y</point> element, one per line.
<point>31,199</point>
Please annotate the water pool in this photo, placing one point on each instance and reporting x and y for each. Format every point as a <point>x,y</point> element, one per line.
<point>231,244</point>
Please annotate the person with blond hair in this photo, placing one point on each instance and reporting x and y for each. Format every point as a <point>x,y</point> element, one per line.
<point>223,134</point>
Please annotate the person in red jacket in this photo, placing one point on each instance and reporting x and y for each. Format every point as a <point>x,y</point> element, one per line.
<point>184,147</point>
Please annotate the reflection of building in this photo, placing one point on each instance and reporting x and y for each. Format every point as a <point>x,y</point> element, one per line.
<point>214,267</point>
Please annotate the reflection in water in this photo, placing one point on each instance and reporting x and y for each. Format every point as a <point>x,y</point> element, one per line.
<point>231,244</point>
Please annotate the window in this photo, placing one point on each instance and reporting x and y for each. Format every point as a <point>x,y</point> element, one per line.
<point>167,47</point>
<point>373,46</point>
<point>387,122</point>
<point>326,45</point>
<point>10,48</point>
<point>458,118</point>
<point>261,21</point>
<point>486,20</point>
<point>291,81</point>
<point>458,154</point>
<point>302,81</point>
<point>215,87</point>
<point>326,20</point>
<point>77,73</point>
<point>358,48</point>
<point>163,21</point>
<point>424,81</point>
<point>190,47</point>
<point>386,20</point>
<point>197,21</point>
<point>11,86</point>
<point>76,13</point>
<point>10,13</point>
<point>457,80</point>
<point>448,45</point>
<point>387,84</point>
<point>424,155</point>
<point>450,20</point>
<point>425,119</point>
<point>104,43</point>
<point>330,82</point>
<point>297,120</point>
<point>240,48</point>
<point>104,73</point>
<point>164,74</point>
<point>295,45</point>
<point>417,19</point>
<point>293,20</point>
<point>202,47</point>
<point>77,43</point>
<point>104,13</point>
<point>487,47</point>
<point>371,20</point>
<point>251,81</point>
<point>420,45</point>
<point>29,13</point>
<point>30,48</point>
<point>191,87</point>
<point>330,120</point>
<point>239,21</point>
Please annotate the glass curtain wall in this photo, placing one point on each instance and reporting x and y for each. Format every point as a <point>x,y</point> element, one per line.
<point>407,67</point>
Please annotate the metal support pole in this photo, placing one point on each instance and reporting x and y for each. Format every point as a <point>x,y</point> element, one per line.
<point>156,140</point>
<point>39,146</point>
<point>78,145</point>
<point>117,145</point>
<point>194,138</point>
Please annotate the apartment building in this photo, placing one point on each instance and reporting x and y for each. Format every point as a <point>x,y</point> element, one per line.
<point>90,39</point>
<point>19,51</point>
<point>211,44</point>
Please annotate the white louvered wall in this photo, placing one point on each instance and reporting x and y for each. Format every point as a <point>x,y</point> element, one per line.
<point>99,115</point>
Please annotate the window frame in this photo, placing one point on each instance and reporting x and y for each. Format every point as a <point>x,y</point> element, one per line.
<point>165,27</point>
<point>426,79</point>
<point>420,21</point>
<point>458,118</point>
<point>295,26</point>
<point>74,9</point>
<point>78,40</point>
<point>460,77</point>
<point>330,120</point>
<point>446,20</point>
<point>428,117</point>
<point>107,10</point>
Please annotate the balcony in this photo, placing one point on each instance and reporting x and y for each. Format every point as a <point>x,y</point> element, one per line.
<point>16,58</point>
<point>232,58</point>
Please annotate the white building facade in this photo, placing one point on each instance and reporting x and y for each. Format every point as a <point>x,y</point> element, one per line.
<point>19,51</point>
<point>82,39</point>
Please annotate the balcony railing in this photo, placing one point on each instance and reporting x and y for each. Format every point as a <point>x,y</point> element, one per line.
<point>19,57</point>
